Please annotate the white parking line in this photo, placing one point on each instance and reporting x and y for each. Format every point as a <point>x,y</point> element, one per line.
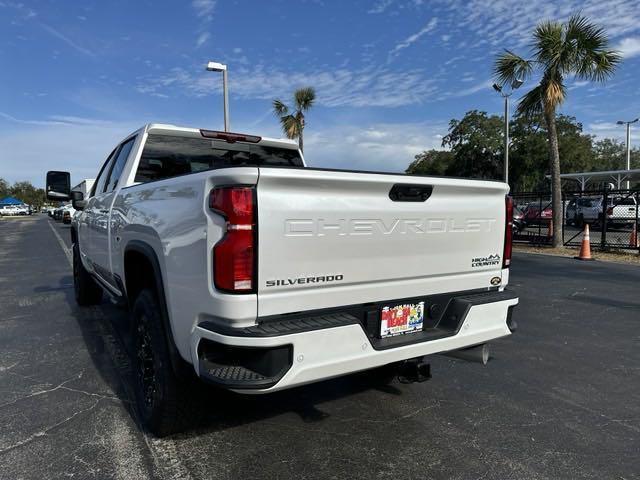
<point>66,251</point>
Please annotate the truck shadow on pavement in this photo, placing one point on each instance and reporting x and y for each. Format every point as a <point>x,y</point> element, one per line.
<point>104,329</point>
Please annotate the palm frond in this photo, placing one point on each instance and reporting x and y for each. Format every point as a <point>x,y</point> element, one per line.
<point>290,126</point>
<point>554,90</point>
<point>509,67</point>
<point>548,43</point>
<point>584,35</point>
<point>304,98</point>
<point>589,57</point>
<point>597,66</point>
<point>530,104</point>
<point>280,108</point>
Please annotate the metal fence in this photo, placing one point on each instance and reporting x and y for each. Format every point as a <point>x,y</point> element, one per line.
<point>612,216</point>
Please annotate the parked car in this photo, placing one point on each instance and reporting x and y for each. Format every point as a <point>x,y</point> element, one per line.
<point>255,273</point>
<point>518,220</point>
<point>534,215</point>
<point>67,214</point>
<point>7,210</point>
<point>57,213</point>
<point>622,211</point>
<point>11,210</point>
<point>581,210</point>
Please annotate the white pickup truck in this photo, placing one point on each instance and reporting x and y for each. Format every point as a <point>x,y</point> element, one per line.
<point>242,265</point>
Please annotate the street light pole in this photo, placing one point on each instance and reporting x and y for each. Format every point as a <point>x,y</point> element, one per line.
<point>506,139</point>
<point>219,67</point>
<point>500,89</point>
<point>225,93</point>
<point>628,124</point>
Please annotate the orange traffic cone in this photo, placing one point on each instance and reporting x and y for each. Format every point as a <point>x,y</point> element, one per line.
<point>633,241</point>
<point>585,249</point>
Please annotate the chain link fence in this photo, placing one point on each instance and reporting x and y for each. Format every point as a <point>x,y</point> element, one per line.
<point>612,216</point>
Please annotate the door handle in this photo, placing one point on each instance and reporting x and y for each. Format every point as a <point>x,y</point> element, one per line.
<point>403,192</point>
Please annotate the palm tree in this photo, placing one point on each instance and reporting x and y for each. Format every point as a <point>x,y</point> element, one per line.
<point>577,47</point>
<point>292,122</point>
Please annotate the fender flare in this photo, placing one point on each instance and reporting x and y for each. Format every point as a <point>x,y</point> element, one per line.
<point>178,364</point>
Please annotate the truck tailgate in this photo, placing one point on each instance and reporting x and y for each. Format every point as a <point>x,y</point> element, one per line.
<point>335,238</point>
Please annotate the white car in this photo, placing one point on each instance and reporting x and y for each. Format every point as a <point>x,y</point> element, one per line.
<point>622,210</point>
<point>255,273</point>
<point>10,210</point>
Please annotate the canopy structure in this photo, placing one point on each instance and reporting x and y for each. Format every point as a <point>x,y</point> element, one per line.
<point>10,201</point>
<point>616,177</point>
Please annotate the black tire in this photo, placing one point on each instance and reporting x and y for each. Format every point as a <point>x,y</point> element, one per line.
<point>85,288</point>
<point>162,399</point>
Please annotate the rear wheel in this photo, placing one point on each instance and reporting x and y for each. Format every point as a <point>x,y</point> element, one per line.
<point>85,288</point>
<point>162,398</point>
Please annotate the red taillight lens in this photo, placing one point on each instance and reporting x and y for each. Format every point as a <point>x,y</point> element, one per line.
<point>508,232</point>
<point>610,211</point>
<point>233,256</point>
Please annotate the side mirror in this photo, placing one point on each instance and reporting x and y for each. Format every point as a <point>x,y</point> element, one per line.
<point>58,185</point>
<point>77,200</point>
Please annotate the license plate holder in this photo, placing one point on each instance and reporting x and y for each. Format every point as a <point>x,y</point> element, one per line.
<point>401,319</point>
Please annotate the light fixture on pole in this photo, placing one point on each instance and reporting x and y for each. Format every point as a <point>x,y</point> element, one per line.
<point>628,124</point>
<point>517,83</point>
<point>219,67</point>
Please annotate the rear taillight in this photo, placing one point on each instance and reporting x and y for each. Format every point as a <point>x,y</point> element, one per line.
<point>508,232</point>
<point>610,211</point>
<point>233,256</point>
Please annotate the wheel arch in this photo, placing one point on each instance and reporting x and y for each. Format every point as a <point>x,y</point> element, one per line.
<point>141,269</point>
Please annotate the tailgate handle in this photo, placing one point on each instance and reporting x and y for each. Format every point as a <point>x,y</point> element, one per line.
<point>403,192</point>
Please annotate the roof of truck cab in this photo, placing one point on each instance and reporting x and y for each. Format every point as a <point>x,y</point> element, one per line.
<point>166,129</point>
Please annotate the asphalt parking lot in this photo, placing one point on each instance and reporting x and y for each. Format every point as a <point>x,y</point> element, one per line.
<point>561,398</point>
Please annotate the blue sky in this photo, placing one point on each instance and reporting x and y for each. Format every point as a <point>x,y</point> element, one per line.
<point>390,74</point>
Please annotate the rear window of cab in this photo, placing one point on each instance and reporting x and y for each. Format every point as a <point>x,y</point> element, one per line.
<point>166,156</point>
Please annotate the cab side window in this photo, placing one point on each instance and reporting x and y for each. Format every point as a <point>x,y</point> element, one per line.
<point>118,165</point>
<point>98,186</point>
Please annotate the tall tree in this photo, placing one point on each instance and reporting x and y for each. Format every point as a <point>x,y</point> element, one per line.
<point>476,144</point>
<point>577,47</point>
<point>529,150</point>
<point>292,119</point>
<point>431,162</point>
<point>4,188</point>
<point>27,193</point>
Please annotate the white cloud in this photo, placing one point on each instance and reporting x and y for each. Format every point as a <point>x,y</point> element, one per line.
<point>70,144</point>
<point>380,6</point>
<point>202,39</point>
<point>612,130</point>
<point>388,147</point>
<point>629,47</point>
<point>509,24</point>
<point>204,8</point>
<point>204,11</point>
<point>54,120</point>
<point>411,39</point>
<point>464,92</point>
<point>67,40</point>
<point>366,87</point>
